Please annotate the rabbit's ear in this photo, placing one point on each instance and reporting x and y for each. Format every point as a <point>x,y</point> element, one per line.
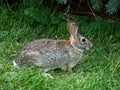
<point>72,27</point>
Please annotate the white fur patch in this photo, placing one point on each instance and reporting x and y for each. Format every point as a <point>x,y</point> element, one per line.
<point>15,64</point>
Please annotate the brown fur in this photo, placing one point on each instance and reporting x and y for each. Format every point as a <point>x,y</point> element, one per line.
<point>64,42</point>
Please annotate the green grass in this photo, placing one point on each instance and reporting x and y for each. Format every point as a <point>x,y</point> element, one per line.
<point>99,69</point>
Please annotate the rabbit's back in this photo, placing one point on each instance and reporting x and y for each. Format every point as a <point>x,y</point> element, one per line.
<point>39,45</point>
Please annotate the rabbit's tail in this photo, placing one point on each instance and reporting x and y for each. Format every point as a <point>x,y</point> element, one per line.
<point>15,64</point>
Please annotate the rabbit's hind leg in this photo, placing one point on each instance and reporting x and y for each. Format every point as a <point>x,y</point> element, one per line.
<point>33,57</point>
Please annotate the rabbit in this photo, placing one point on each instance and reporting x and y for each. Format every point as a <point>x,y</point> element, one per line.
<point>51,54</point>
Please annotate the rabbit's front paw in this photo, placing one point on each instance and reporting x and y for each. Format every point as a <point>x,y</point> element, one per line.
<point>47,75</point>
<point>68,68</point>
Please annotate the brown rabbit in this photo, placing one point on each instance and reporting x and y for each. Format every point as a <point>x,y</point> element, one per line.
<point>51,54</point>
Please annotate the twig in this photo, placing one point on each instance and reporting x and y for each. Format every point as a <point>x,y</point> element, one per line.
<point>92,10</point>
<point>116,44</point>
<point>67,10</point>
<point>78,6</point>
<point>8,5</point>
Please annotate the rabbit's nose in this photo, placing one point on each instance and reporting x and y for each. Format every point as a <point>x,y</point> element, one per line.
<point>90,44</point>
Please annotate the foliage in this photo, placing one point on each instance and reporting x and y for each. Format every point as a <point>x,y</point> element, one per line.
<point>62,1</point>
<point>112,6</point>
<point>96,4</point>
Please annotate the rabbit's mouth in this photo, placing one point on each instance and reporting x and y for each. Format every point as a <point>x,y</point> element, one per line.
<point>87,48</point>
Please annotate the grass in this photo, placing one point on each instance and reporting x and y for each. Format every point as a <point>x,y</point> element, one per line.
<point>99,69</point>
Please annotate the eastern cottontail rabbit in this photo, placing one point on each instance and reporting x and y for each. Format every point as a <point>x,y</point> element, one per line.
<point>50,54</point>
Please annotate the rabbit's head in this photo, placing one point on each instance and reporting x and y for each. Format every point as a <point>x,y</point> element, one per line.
<point>78,41</point>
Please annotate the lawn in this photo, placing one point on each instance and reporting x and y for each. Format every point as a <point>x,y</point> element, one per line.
<point>99,69</point>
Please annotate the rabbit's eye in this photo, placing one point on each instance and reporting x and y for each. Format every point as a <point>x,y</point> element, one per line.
<point>83,39</point>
